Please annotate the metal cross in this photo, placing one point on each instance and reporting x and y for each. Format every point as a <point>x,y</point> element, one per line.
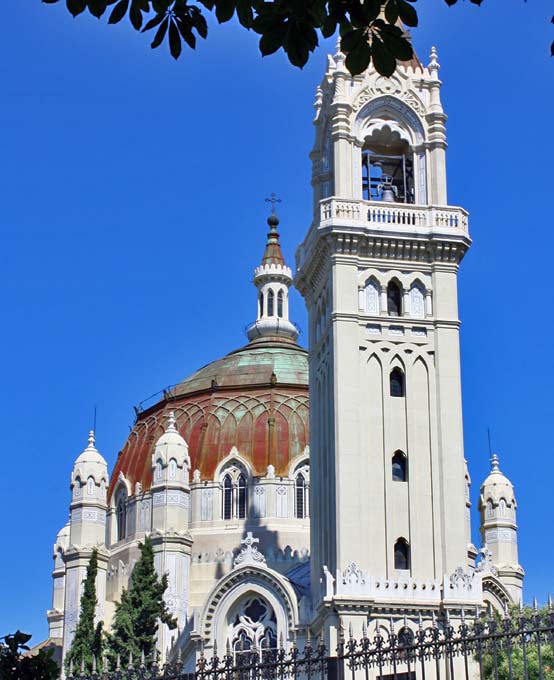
<point>273,200</point>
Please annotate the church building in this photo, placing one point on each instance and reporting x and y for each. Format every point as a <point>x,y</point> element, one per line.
<point>292,492</point>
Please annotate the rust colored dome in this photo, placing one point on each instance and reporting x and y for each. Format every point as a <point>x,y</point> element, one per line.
<point>255,398</point>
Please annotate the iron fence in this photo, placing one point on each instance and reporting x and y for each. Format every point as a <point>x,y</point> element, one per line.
<point>517,647</point>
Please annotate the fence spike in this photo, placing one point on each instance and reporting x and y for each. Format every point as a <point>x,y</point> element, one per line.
<point>405,621</point>
<point>117,662</point>
<point>350,631</point>
<point>70,667</point>
<point>179,656</point>
<point>505,607</point>
<point>463,613</point>
<point>281,641</point>
<point>419,621</point>
<point>130,659</point>
<point>364,629</point>
<point>308,635</point>
<point>201,648</point>
<point>447,616</point>
<point>433,619</point>
<point>321,638</point>
<point>142,658</point>
<point>476,613</point>
<point>105,663</point>
<point>341,631</point>
<point>489,610</point>
<point>241,646</point>
<point>391,625</point>
<point>535,605</point>
<point>549,602</point>
<point>82,665</point>
<point>93,663</point>
<point>520,607</point>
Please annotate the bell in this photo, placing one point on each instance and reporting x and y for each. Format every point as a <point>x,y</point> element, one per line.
<point>388,190</point>
<point>387,196</point>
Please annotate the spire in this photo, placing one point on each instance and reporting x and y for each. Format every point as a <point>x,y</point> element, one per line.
<point>170,426</point>
<point>272,252</point>
<point>91,440</point>
<point>273,279</point>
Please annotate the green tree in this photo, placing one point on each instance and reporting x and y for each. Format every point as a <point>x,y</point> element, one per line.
<point>15,664</point>
<point>368,28</point>
<point>515,656</point>
<point>140,610</point>
<point>88,640</point>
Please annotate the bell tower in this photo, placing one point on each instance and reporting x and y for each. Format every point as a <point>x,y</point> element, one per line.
<point>378,271</point>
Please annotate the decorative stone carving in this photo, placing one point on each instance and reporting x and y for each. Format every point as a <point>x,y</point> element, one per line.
<point>250,553</point>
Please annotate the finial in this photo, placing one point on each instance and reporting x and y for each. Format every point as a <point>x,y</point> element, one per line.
<point>91,439</point>
<point>170,427</point>
<point>495,463</point>
<point>434,65</point>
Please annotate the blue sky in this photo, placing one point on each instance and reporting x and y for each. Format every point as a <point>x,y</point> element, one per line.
<point>132,214</point>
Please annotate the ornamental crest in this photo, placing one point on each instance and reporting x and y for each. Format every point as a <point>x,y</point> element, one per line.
<point>250,553</point>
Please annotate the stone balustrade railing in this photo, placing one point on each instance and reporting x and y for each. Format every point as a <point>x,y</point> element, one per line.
<point>378,214</point>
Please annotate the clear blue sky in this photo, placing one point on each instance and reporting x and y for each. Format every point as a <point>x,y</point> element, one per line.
<point>132,214</point>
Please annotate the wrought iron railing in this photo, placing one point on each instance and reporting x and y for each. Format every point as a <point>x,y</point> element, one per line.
<point>517,647</point>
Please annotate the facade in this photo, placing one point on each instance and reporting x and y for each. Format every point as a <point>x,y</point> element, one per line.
<point>291,492</point>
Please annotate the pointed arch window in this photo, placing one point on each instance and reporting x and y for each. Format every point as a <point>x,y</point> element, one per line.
<point>270,303</point>
<point>90,486</point>
<point>227,497</point>
<point>301,496</point>
<point>242,497</point>
<point>280,299</point>
<point>121,515</point>
<point>394,299</point>
<point>399,467</point>
<point>261,303</point>
<point>372,297</point>
<point>417,301</point>
<point>397,383</point>
<point>401,554</point>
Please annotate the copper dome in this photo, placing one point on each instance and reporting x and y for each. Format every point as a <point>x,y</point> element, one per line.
<point>255,398</point>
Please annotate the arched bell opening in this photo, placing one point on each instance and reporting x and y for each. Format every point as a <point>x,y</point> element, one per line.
<point>388,167</point>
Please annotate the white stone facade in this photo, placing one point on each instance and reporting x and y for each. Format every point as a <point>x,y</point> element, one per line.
<point>375,521</point>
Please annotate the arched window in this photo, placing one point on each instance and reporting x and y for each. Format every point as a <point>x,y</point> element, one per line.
<point>253,625</point>
<point>300,506</point>
<point>172,468</point>
<point>121,515</point>
<point>158,470</point>
<point>77,487</point>
<point>397,383</point>
<point>280,298</point>
<point>489,510</point>
<point>401,554</point>
<point>417,301</point>
<point>372,298</point>
<point>502,507</point>
<point>394,299</point>
<point>242,498</point>
<point>90,486</point>
<point>227,497</point>
<point>399,467</point>
<point>261,303</point>
<point>270,301</point>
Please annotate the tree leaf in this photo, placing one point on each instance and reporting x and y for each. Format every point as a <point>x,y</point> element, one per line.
<point>119,11</point>
<point>271,41</point>
<point>224,10</point>
<point>155,21</point>
<point>160,34</point>
<point>407,13</point>
<point>383,60</point>
<point>185,29</point>
<point>244,13</point>
<point>358,59</point>
<point>328,27</point>
<point>76,6</point>
<point>135,15</point>
<point>97,7</point>
<point>200,23</point>
<point>174,40</point>
<point>391,11</point>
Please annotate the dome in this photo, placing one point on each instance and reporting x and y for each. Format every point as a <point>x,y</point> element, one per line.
<point>90,463</point>
<point>254,399</point>
<point>497,485</point>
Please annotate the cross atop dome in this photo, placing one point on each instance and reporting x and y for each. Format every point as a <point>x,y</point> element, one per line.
<point>272,253</point>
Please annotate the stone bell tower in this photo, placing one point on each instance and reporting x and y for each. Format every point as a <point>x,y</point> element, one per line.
<point>378,271</point>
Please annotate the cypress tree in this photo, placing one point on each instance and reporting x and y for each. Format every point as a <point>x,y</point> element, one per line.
<point>87,642</point>
<point>140,609</point>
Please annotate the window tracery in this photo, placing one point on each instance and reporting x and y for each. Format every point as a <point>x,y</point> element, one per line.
<point>253,626</point>
<point>234,493</point>
<point>417,301</point>
<point>372,298</point>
